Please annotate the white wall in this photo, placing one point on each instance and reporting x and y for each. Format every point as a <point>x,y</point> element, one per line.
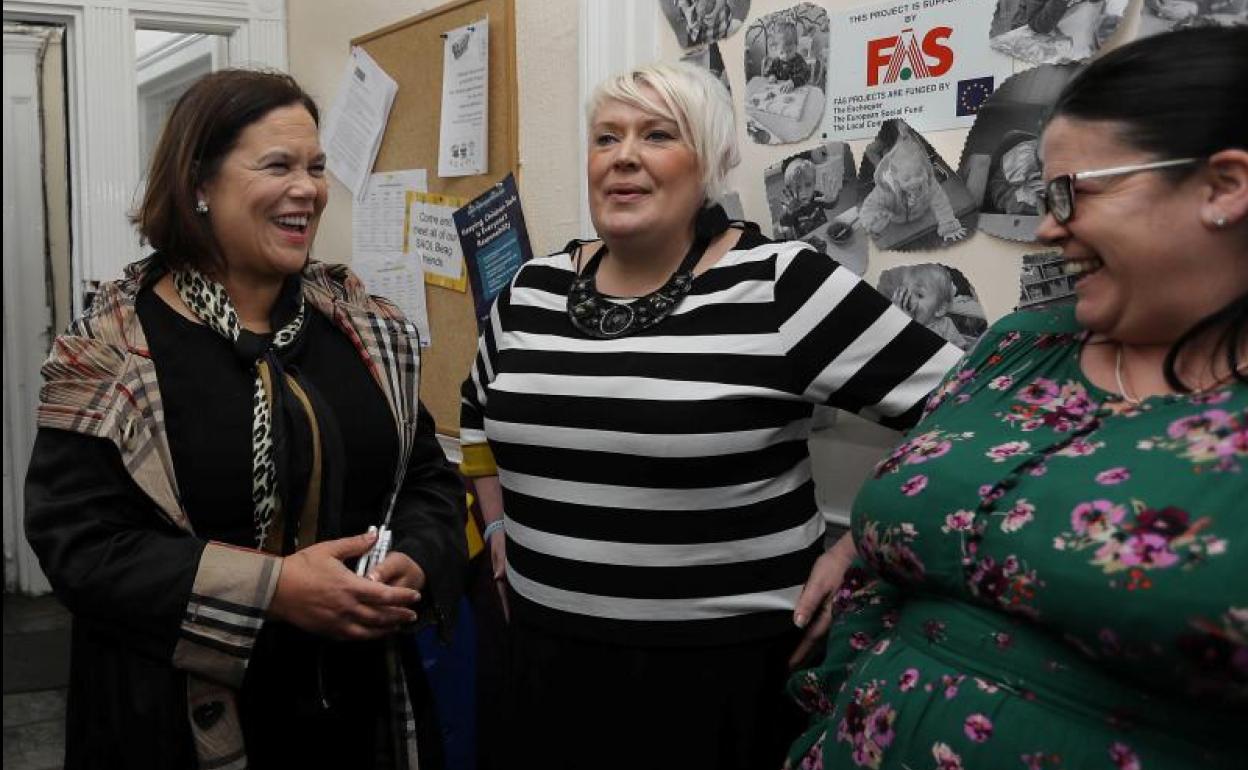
<point>546,66</point>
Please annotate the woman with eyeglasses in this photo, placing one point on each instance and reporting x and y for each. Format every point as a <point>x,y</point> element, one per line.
<point>1050,569</point>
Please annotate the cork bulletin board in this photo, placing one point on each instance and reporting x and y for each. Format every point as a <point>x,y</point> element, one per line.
<point>410,51</point>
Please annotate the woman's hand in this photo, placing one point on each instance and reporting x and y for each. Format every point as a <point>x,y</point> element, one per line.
<point>814,605</point>
<point>318,593</point>
<point>498,562</point>
<point>398,569</point>
<point>490,496</point>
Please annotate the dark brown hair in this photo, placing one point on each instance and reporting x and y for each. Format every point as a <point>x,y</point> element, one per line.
<point>201,130</point>
<point>1179,94</point>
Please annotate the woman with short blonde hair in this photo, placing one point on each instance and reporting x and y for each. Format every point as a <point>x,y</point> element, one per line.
<point>639,407</point>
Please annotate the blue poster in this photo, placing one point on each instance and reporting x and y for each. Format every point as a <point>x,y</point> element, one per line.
<point>495,242</point>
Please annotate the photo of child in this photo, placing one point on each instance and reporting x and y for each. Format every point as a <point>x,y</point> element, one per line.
<point>812,198</point>
<point>802,209</point>
<point>786,57</point>
<point>939,297</point>
<point>911,199</point>
<point>1000,159</point>
<point>698,22</point>
<point>1054,31</point>
<point>789,69</point>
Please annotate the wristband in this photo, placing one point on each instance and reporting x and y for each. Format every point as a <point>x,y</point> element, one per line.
<point>491,528</point>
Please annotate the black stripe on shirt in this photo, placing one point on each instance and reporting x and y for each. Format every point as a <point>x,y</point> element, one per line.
<point>633,470</point>
<point>658,417</point>
<point>742,577</point>
<point>792,509</point>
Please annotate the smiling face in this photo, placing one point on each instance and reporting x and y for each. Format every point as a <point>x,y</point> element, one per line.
<point>1136,241</point>
<point>267,196</point>
<point>644,178</point>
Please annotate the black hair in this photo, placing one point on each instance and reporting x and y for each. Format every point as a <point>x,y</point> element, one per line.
<point>1179,94</point>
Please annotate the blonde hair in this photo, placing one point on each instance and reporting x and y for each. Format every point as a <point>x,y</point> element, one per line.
<point>797,170</point>
<point>935,277</point>
<point>692,98</point>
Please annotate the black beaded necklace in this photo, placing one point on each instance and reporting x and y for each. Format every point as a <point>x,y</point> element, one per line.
<point>596,316</point>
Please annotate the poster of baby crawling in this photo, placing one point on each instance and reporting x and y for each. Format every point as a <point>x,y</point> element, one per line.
<point>927,62</point>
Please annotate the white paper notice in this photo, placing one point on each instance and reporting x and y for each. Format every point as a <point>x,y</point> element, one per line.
<point>356,121</point>
<point>431,235</point>
<point>463,142</point>
<point>400,279</point>
<point>927,62</point>
<point>378,218</point>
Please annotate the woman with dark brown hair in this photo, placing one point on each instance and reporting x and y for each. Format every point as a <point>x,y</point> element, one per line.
<point>1050,567</point>
<point>215,436</point>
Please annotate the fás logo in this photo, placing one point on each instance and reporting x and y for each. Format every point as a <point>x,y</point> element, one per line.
<point>905,56</point>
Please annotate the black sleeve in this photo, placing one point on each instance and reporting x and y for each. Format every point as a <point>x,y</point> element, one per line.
<point>850,347</point>
<point>113,559</point>
<point>428,523</point>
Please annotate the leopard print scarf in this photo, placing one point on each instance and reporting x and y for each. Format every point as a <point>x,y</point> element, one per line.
<point>209,300</point>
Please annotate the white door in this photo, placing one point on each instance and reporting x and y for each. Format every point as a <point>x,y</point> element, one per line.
<point>27,315</point>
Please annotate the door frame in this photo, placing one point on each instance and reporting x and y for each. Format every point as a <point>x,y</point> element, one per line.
<point>27,303</point>
<point>102,95</point>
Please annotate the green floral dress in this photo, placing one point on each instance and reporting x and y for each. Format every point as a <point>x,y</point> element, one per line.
<point>1048,577</point>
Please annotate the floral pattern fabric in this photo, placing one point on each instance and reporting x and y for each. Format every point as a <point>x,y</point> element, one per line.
<point>1047,578</point>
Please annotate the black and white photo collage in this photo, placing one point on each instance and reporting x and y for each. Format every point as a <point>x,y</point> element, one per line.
<point>842,191</point>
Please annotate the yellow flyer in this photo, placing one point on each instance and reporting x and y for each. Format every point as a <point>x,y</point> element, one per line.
<point>429,233</point>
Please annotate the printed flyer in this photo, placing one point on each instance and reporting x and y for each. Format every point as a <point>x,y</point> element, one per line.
<point>927,62</point>
<point>430,235</point>
<point>494,240</point>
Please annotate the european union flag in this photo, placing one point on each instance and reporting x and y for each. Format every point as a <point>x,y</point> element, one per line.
<point>972,94</point>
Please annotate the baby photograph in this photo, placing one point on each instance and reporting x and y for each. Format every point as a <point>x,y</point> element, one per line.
<point>939,297</point>
<point>911,198</point>
<point>812,197</point>
<point>786,55</point>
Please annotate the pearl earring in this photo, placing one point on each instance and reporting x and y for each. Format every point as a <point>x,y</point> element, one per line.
<point>1219,222</point>
<point>201,207</point>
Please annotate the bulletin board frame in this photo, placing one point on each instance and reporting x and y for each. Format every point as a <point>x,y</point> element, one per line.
<point>411,51</point>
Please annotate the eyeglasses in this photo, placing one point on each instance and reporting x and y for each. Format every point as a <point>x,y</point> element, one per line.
<point>1058,197</point>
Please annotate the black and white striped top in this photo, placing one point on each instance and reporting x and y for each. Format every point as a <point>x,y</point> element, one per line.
<point>658,487</point>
